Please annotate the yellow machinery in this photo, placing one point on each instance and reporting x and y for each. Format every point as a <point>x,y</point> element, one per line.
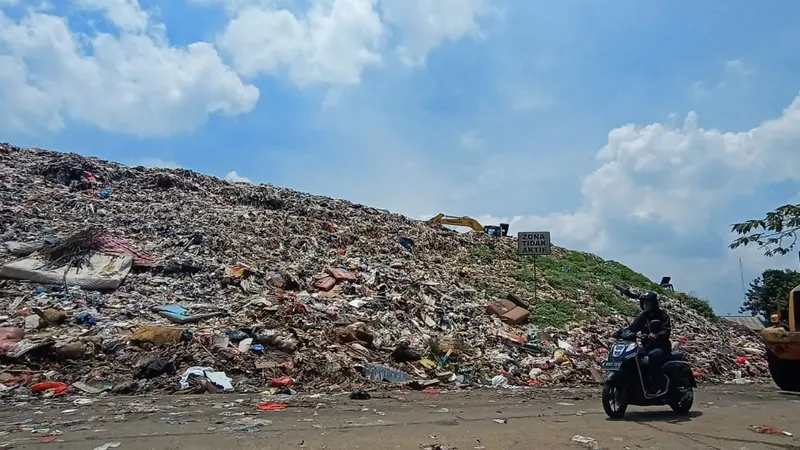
<point>464,221</point>
<point>783,346</point>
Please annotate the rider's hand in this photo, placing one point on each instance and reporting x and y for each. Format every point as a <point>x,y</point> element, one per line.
<point>651,336</point>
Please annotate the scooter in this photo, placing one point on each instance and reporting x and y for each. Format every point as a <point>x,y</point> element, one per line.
<point>627,382</point>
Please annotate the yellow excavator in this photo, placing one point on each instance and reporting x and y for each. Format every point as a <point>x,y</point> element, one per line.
<point>464,221</point>
<point>783,346</point>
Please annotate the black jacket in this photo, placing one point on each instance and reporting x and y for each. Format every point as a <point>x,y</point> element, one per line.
<point>642,324</point>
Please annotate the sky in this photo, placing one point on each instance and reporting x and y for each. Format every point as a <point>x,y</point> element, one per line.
<point>639,131</point>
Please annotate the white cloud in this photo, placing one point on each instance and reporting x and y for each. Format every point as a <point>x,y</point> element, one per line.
<point>738,68</point>
<point>471,140</point>
<point>156,163</point>
<point>335,40</point>
<point>682,177</point>
<point>734,74</point>
<point>523,100</point>
<point>659,191</point>
<point>331,43</point>
<point>234,177</point>
<point>125,14</point>
<point>422,25</point>
<point>135,83</point>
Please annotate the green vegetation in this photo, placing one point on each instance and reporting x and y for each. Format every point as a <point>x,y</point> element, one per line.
<point>699,305</point>
<point>614,303</point>
<point>577,275</point>
<point>481,254</point>
<point>776,233</point>
<point>573,271</point>
<point>553,313</point>
<point>769,293</point>
<point>576,269</point>
<point>524,275</point>
<point>490,290</point>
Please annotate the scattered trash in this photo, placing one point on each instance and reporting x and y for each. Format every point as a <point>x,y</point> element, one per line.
<point>50,387</point>
<point>406,242</point>
<point>499,381</point>
<point>218,379</point>
<point>157,367</point>
<point>285,390</point>
<point>271,406</point>
<point>376,372</point>
<point>499,420</point>
<point>360,394</point>
<point>249,425</point>
<point>435,447</point>
<point>587,442</point>
<point>84,318</point>
<point>108,445</point>
<point>282,381</point>
<point>93,387</point>
<point>112,272</point>
<point>178,314</point>
<point>766,429</point>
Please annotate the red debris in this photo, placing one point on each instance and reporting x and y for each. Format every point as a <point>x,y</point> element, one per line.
<point>282,381</point>
<point>117,246</point>
<point>271,406</point>
<point>341,274</point>
<point>57,387</point>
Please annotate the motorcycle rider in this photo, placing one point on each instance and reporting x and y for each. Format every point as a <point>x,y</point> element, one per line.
<point>657,344</point>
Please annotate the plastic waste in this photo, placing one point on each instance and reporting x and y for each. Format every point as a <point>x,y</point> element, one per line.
<point>56,387</point>
<point>271,406</point>
<point>499,381</point>
<point>586,441</point>
<point>108,445</point>
<point>282,381</point>
<point>218,378</point>
<point>360,394</point>
<point>84,318</point>
<point>377,372</point>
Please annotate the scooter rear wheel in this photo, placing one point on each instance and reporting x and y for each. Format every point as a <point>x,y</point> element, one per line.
<point>683,407</point>
<point>614,402</point>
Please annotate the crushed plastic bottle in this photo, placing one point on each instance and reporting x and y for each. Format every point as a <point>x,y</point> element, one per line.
<point>377,372</point>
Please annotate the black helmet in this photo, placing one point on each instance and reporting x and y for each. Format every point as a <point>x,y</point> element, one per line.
<point>648,301</point>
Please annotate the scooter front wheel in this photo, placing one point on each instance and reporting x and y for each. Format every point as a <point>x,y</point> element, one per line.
<point>614,402</point>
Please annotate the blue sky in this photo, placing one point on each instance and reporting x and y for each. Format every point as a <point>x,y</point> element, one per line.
<point>636,130</point>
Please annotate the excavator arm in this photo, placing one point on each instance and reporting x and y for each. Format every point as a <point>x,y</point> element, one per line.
<point>462,221</point>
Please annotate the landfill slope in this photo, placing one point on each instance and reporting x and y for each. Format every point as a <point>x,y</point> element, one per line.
<point>274,287</point>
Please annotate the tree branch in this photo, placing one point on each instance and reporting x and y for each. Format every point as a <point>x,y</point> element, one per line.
<point>772,233</point>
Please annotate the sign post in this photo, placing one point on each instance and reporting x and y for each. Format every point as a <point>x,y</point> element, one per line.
<point>533,243</point>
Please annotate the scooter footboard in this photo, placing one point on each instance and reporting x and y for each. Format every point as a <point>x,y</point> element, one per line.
<point>680,372</point>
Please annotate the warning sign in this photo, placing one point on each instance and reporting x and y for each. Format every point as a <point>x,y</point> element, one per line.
<point>533,242</point>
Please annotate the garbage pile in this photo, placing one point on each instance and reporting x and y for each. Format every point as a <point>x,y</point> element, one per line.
<point>131,279</point>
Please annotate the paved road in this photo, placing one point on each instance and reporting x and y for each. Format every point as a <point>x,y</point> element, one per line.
<point>527,420</point>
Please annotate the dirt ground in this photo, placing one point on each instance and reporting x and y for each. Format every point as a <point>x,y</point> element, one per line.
<point>491,420</point>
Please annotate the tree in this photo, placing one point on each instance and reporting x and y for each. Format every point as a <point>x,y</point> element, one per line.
<point>769,293</point>
<point>776,233</point>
